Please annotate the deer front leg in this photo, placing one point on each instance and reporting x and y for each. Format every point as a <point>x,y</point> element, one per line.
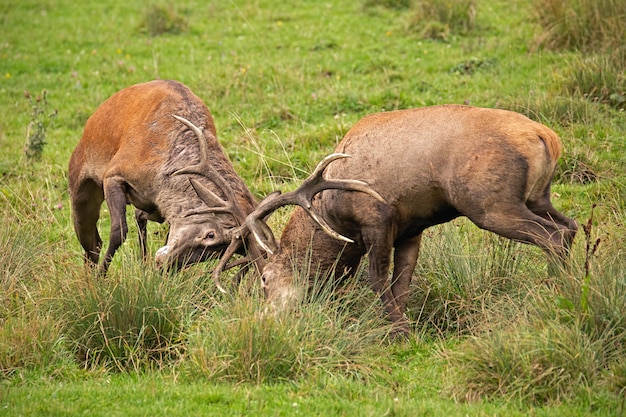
<point>379,263</point>
<point>404,260</point>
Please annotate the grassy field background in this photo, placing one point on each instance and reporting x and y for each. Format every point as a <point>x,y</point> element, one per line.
<point>284,81</point>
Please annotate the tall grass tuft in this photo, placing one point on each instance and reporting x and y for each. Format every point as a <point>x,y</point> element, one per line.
<point>30,340</point>
<point>560,344</point>
<point>30,337</point>
<point>464,274</point>
<point>599,78</point>
<point>243,340</point>
<point>540,364</point>
<point>587,25</point>
<point>161,19</point>
<point>133,319</point>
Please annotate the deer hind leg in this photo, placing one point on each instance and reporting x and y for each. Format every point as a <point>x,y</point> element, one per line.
<point>519,223</point>
<point>115,196</point>
<point>86,204</point>
<point>544,208</point>
<point>404,260</point>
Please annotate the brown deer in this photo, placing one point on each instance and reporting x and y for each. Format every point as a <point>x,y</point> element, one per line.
<point>154,145</point>
<point>430,165</point>
<point>137,148</point>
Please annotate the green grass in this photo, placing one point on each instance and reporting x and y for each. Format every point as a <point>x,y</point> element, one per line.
<point>284,81</point>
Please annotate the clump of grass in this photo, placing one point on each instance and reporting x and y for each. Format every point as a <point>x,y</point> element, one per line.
<point>390,4</point>
<point>30,337</point>
<point>587,25</point>
<point>598,297</point>
<point>30,340</point>
<point>540,364</point>
<point>472,65</point>
<point>568,336</point>
<point>555,109</point>
<point>438,19</point>
<point>243,340</point>
<point>465,274</point>
<point>40,120</point>
<point>162,19</point>
<point>132,319</point>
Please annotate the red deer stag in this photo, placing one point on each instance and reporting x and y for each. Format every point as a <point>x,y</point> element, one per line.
<point>138,148</point>
<point>430,165</point>
<point>154,146</point>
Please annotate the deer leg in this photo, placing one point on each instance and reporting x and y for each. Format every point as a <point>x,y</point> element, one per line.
<point>404,260</point>
<point>380,247</point>
<point>85,214</point>
<point>141,217</point>
<point>115,196</point>
<point>517,222</point>
<point>544,208</point>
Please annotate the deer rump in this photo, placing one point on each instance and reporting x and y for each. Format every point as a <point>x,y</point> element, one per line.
<point>430,165</point>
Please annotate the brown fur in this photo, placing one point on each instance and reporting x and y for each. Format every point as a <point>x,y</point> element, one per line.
<point>431,165</point>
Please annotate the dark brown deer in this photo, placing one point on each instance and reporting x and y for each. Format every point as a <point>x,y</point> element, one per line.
<point>138,148</point>
<point>430,165</point>
<point>154,145</point>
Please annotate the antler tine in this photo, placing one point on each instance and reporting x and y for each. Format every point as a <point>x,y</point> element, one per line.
<point>215,203</point>
<point>234,245</point>
<point>303,197</point>
<point>228,253</point>
<point>316,183</point>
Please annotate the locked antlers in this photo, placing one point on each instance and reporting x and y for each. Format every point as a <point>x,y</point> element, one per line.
<point>255,222</point>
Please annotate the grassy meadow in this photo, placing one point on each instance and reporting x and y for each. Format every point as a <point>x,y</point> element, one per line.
<point>493,334</point>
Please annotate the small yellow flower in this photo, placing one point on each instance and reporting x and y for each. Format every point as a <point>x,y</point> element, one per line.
<point>388,33</point>
<point>7,75</point>
<point>118,50</point>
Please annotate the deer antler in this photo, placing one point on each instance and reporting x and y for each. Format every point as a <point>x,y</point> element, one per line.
<point>215,203</point>
<point>303,197</point>
<point>254,223</point>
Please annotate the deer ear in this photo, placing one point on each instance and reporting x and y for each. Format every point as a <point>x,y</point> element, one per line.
<point>206,195</point>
